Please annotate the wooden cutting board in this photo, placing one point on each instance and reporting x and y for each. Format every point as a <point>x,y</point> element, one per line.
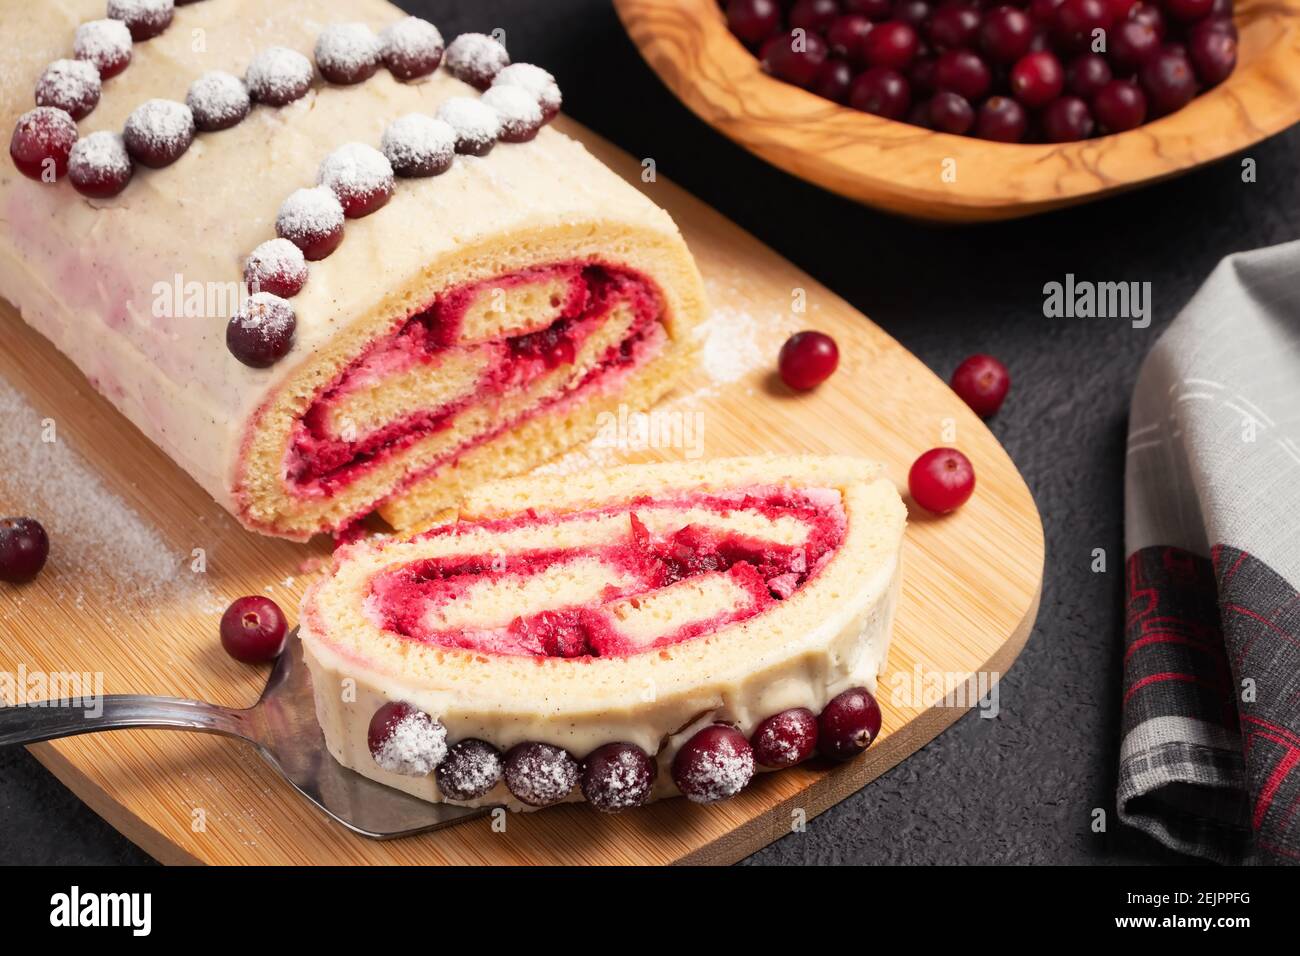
<point>971,590</point>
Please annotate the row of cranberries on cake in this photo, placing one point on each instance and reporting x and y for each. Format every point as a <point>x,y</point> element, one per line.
<point>1011,71</point>
<point>356,180</point>
<point>717,762</point>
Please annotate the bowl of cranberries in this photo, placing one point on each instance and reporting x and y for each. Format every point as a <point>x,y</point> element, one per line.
<point>979,109</point>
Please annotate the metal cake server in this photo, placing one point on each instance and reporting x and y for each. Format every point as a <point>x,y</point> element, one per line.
<point>281,725</point>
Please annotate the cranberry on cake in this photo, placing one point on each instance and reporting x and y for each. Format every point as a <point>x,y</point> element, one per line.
<point>471,288</point>
<point>622,635</point>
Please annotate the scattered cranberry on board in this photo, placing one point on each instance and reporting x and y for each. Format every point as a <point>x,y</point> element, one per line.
<point>252,629</point>
<point>941,480</point>
<point>982,382</point>
<point>908,60</point>
<point>807,359</point>
<point>24,548</point>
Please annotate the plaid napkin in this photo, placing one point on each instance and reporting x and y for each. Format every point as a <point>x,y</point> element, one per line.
<point>1210,756</point>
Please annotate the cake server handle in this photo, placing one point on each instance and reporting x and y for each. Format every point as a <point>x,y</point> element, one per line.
<point>32,723</point>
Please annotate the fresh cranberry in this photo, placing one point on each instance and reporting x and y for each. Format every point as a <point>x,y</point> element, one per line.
<point>815,16</point>
<point>873,10</point>
<point>1002,120</point>
<point>42,141</point>
<point>785,739</point>
<point>276,266</point>
<point>476,59</point>
<point>912,12</point>
<point>848,724</point>
<point>951,113</point>
<point>962,71</point>
<point>1006,33</point>
<point>158,132</point>
<point>754,20</point>
<point>834,80</point>
<point>1189,10</point>
<point>1120,105</point>
<point>24,548</point>
<point>144,18</point>
<point>1132,43</point>
<point>1043,12</point>
<point>1150,14</point>
<point>261,333</point>
<point>1086,74</point>
<point>69,85</point>
<point>1169,80</point>
<point>361,178</point>
<point>411,48</point>
<point>1213,52</point>
<point>715,764</point>
<point>941,480</point>
<point>981,381</point>
<point>795,58</point>
<point>404,739</point>
<point>1077,21</point>
<point>99,165</point>
<point>252,629</point>
<point>312,219</point>
<point>347,53</point>
<point>1120,9</point>
<point>1037,79</point>
<point>539,774</point>
<point>106,44</point>
<point>618,777</point>
<point>807,359</point>
<point>471,768</point>
<point>953,26</point>
<point>891,44</point>
<point>881,91</point>
<point>847,37</point>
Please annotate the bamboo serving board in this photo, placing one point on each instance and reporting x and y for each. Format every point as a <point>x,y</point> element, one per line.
<point>971,590</point>
<point>929,175</point>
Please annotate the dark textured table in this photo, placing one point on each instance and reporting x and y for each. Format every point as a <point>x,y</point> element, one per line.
<point>1020,788</point>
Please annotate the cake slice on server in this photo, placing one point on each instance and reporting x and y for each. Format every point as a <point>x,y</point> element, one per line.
<point>621,635</point>
<point>447,288</point>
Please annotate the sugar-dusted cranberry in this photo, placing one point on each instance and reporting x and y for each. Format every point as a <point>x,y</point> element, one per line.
<point>106,44</point>
<point>1189,10</point>
<point>539,774</point>
<point>276,266</point>
<point>470,770</point>
<point>1120,105</point>
<point>360,176</point>
<point>808,359</point>
<point>1151,15</point>
<point>982,382</point>
<point>815,16</point>
<point>518,111</point>
<point>419,145</point>
<point>218,101</point>
<point>261,332</point>
<point>69,85</point>
<point>848,724</point>
<point>476,59</point>
<point>847,36</point>
<point>410,48</point>
<point>834,80</point>
<point>912,12</point>
<point>618,777</point>
<point>881,91</point>
<point>785,739</point>
<point>1005,34</point>
<point>873,10</point>
<point>99,165</point>
<point>953,26</point>
<point>1132,43</point>
<point>347,53</point>
<point>24,549</point>
<point>1086,74</point>
<point>477,125</point>
<point>277,76</point>
<point>951,113</point>
<point>252,629</point>
<point>42,140</point>
<point>795,57</point>
<point>962,71</point>
<point>1168,80</point>
<point>1213,52</point>
<point>1077,21</point>
<point>891,44</point>
<point>404,739</point>
<point>715,764</point>
<point>312,219</point>
<point>144,18</point>
<point>1002,120</point>
<point>941,480</point>
<point>1037,79</point>
<point>158,132</point>
<point>537,82</point>
<point>754,21</point>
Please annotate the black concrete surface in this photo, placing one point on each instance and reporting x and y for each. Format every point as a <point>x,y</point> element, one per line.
<point>1021,788</point>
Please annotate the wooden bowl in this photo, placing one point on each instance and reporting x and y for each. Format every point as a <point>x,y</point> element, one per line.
<point>902,168</point>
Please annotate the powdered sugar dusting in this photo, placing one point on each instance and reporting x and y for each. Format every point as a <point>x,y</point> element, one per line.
<point>217,99</point>
<point>102,42</point>
<point>275,259</point>
<point>419,145</point>
<point>347,47</point>
<point>719,774</point>
<point>307,212</point>
<point>161,124</point>
<point>99,156</point>
<point>415,745</point>
<point>410,37</point>
<point>729,348</point>
<point>131,9</point>
<point>536,81</point>
<point>476,58</point>
<point>278,75</point>
<point>473,121</point>
<point>355,168</point>
<point>68,81</point>
<point>514,104</point>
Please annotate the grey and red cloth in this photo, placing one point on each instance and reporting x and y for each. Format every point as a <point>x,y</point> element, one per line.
<point>1210,755</point>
